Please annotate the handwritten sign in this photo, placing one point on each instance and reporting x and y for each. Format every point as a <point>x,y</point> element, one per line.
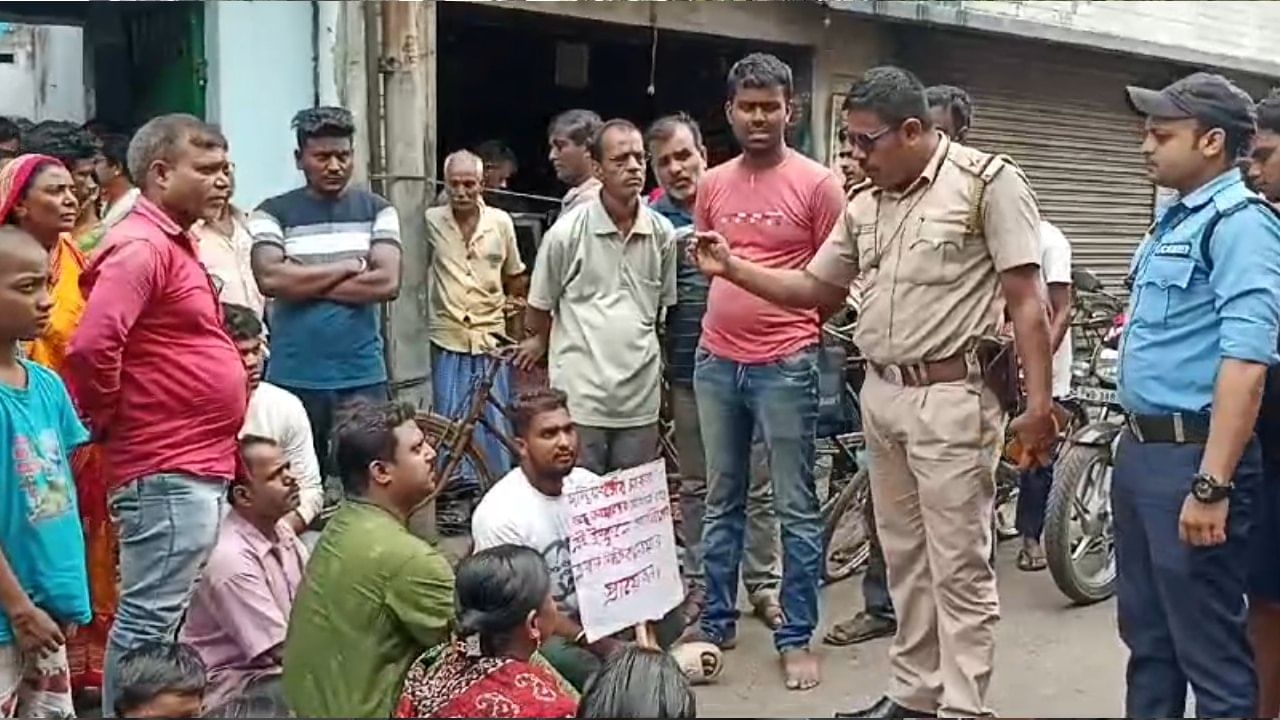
<point>623,548</point>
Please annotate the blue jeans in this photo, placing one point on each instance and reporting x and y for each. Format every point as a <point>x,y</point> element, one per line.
<point>781,398</point>
<point>1033,499</point>
<point>1181,608</point>
<point>168,525</point>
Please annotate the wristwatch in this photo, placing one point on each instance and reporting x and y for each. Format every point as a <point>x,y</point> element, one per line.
<point>1209,489</point>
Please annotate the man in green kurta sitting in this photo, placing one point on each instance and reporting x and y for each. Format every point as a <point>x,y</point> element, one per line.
<point>374,596</point>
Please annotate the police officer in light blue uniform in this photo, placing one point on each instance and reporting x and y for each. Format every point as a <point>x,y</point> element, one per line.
<point>1203,321</point>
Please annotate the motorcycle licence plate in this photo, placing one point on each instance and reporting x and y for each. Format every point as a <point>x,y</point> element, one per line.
<point>1105,396</point>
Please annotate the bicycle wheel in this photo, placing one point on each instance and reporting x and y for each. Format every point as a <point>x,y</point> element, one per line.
<point>440,432</point>
<point>845,541</point>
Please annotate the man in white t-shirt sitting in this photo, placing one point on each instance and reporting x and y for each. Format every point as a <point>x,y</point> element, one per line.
<point>527,507</point>
<point>1033,495</point>
<point>277,414</point>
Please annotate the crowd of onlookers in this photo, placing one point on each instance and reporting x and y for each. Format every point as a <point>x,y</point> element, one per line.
<point>243,486</point>
<point>191,386</point>
<point>209,505</point>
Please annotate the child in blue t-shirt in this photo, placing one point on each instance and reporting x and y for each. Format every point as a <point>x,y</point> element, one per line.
<point>44,591</point>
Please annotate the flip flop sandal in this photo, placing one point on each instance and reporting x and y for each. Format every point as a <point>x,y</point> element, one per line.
<point>701,662</point>
<point>1031,563</point>
<point>857,629</point>
<point>769,611</point>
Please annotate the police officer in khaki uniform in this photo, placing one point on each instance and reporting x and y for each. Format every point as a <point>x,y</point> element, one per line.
<point>945,236</point>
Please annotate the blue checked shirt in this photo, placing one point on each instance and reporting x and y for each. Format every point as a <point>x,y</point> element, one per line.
<point>1183,317</point>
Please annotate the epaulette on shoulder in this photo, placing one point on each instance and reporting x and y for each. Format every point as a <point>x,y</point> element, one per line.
<point>980,164</point>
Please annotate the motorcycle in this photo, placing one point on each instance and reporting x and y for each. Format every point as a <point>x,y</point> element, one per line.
<point>1079,538</point>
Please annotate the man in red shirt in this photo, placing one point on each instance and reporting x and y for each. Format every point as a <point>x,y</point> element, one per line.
<point>159,381</point>
<point>757,364</point>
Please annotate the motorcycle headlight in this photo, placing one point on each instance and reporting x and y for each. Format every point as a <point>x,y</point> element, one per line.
<point>1107,366</point>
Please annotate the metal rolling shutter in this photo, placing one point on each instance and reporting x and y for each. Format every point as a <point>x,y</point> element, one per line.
<point>1060,113</point>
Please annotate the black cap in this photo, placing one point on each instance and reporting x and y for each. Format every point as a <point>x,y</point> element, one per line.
<point>1207,97</point>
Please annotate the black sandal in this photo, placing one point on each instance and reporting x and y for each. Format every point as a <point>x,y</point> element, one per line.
<point>1031,563</point>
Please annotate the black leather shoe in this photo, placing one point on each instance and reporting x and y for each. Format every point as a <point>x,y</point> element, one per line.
<point>886,708</point>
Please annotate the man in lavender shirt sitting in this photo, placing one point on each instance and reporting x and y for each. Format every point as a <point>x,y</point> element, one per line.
<point>240,610</point>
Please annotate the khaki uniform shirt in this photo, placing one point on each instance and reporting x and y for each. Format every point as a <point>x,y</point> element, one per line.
<point>931,286</point>
<point>605,294</point>
<point>467,295</point>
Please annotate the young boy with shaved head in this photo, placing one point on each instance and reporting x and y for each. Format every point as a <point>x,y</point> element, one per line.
<point>44,590</point>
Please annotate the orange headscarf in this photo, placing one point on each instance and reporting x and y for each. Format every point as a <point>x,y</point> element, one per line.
<point>66,263</point>
<point>14,178</point>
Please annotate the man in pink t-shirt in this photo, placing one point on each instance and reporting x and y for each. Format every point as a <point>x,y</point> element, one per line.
<point>758,362</point>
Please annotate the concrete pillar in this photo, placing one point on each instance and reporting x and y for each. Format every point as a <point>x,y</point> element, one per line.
<point>408,66</point>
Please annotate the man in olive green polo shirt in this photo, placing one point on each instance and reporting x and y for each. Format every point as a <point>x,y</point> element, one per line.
<point>605,273</point>
<point>374,597</point>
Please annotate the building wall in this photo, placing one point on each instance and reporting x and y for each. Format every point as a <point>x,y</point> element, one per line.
<point>262,70</point>
<point>45,80</point>
<point>843,44</point>
<point>1228,34</point>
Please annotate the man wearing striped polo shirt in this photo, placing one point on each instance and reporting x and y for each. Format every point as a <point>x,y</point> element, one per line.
<point>326,254</point>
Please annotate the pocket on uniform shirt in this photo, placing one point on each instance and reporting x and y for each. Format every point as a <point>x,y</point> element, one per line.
<point>932,255</point>
<point>865,241</point>
<point>1162,281</point>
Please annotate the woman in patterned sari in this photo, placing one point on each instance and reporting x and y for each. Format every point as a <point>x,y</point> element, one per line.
<point>504,609</point>
<point>38,194</point>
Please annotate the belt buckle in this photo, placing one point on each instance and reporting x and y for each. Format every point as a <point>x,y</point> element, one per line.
<point>1179,429</point>
<point>893,374</point>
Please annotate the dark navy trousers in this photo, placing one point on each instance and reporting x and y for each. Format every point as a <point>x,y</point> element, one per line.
<point>1181,608</point>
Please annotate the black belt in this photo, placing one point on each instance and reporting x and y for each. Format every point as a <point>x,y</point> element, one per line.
<point>1178,429</point>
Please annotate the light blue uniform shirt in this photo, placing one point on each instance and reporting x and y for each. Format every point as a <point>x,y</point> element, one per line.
<point>1183,319</point>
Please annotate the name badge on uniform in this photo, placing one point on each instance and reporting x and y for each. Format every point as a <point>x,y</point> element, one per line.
<point>1174,249</point>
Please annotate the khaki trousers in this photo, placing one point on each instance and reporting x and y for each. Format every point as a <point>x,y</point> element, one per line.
<point>933,453</point>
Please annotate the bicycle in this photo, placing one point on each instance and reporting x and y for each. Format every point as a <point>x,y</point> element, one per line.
<point>455,438</point>
<point>846,538</point>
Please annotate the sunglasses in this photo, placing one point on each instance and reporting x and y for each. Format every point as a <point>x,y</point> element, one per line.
<point>866,142</point>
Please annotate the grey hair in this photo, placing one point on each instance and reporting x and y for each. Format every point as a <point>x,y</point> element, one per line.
<point>577,125</point>
<point>160,137</point>
<point>464,156</point>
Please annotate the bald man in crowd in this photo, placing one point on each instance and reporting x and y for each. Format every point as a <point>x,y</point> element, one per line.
<point>475,272</point>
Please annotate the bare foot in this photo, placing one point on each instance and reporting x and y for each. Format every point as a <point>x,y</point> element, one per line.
<point>802,669</point>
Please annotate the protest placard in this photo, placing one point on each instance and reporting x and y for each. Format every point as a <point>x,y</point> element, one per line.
<point>623,548</point>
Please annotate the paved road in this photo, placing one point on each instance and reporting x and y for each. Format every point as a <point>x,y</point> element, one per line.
<point>1052,660</point>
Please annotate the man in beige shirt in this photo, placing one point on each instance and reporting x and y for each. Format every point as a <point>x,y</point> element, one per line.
<point>569,138</point>
<point>475,272</point>
<point>940,226</point>
<point>605,273</point>
<point>225,245</point>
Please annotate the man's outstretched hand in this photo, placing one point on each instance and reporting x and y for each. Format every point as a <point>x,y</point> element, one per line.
<point>709,252</point>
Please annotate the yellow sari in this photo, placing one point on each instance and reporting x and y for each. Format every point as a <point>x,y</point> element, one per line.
<point>66,265</point>
<point>85,651</point>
